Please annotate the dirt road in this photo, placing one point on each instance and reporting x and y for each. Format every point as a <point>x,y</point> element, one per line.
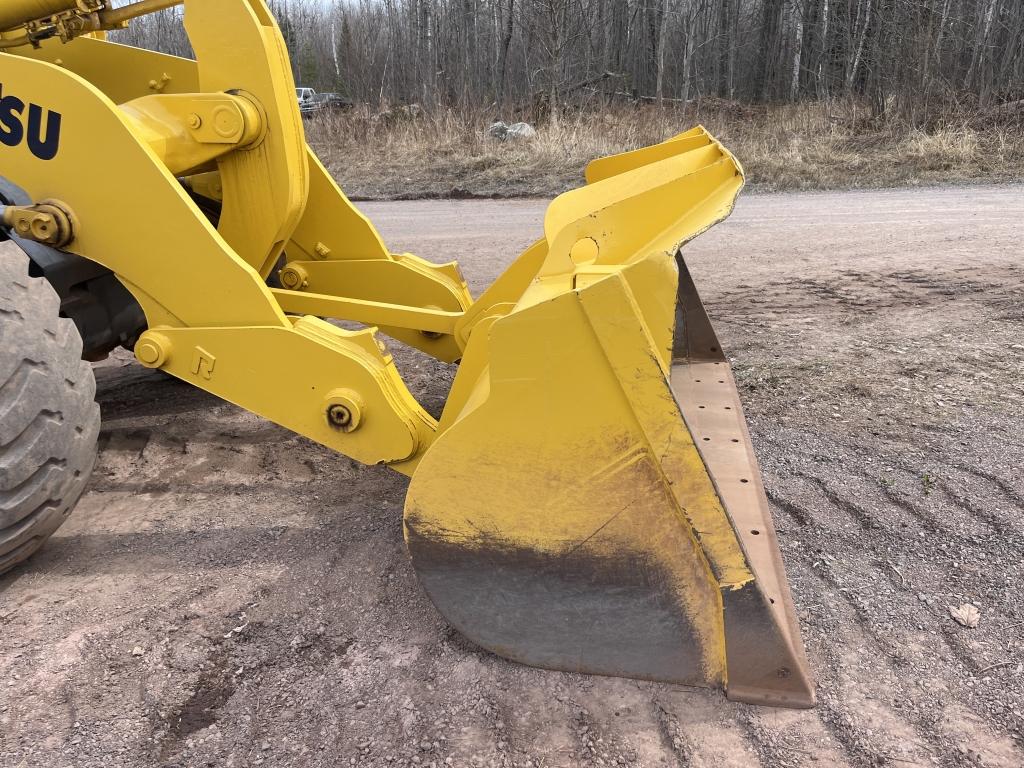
<point>228,594</point>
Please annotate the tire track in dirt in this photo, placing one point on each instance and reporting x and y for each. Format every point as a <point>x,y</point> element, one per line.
<point>822,566</point>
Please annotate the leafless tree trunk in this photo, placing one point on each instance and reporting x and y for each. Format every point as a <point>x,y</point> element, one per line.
<point>523,53</point>
<point>659,88</point>
<point>798,41</point>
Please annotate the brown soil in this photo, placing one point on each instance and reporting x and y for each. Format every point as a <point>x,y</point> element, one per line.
<point>228,594</point>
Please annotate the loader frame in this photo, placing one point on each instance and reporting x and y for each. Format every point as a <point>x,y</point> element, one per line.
<point>567,512</point>
<point>170,130</point>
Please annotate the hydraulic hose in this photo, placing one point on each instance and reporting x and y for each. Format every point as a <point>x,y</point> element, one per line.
<point>15,13</point>
<point>114,16</point>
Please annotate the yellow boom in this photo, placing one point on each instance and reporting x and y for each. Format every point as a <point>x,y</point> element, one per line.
<point>589,499</point>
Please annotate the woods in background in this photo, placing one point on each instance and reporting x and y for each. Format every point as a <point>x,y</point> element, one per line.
<point>910,58</point>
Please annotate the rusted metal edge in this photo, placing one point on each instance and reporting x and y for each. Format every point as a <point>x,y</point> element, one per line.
<point>765,657</point>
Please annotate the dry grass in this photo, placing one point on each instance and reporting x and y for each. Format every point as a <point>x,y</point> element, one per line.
<point>448,154</point>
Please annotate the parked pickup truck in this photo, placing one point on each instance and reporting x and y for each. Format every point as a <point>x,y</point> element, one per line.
<point>311,102</point>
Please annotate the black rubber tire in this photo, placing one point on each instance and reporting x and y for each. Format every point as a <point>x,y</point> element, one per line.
<point>49,419</point>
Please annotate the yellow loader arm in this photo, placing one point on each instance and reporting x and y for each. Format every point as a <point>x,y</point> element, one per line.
<point>589,500</point>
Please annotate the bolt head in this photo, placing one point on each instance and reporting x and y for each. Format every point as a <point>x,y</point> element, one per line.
<point>339,415</point>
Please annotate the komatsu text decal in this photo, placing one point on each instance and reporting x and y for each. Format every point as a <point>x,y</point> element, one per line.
<point>16,126</point>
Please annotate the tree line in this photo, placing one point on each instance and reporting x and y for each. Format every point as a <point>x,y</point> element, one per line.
<point>910,57</point>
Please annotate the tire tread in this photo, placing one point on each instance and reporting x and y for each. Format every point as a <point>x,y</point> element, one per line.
<point>49,420</point>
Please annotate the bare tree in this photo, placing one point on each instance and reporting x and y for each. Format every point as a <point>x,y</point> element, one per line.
<point>905,55</point>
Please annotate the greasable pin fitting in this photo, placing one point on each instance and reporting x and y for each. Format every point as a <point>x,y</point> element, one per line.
<point>294,277</point>
<point>344,410</point>
<point>47,222</point>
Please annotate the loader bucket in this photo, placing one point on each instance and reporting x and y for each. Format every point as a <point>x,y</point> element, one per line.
<point>593,502</point>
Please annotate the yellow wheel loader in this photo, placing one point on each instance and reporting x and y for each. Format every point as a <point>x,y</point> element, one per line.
<point>588,501</point>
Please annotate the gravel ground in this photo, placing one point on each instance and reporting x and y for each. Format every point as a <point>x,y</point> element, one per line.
<point>229,594</point>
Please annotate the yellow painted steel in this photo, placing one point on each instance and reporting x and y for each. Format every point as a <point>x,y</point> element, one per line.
<point>426,321</point>
<point>136,219</point>
<point>339,253</point>
<point>549,456</point>
<point>265,187</point>
<point>189,131</point>
<point>562,472</point>
<point>566,500</point>
<point>246,366</point>
<point>120,72</point>
<point>348,258</point>
<point>569,420</point>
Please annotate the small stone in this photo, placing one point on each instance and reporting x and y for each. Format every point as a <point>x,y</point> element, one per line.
<point>137,650</point>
